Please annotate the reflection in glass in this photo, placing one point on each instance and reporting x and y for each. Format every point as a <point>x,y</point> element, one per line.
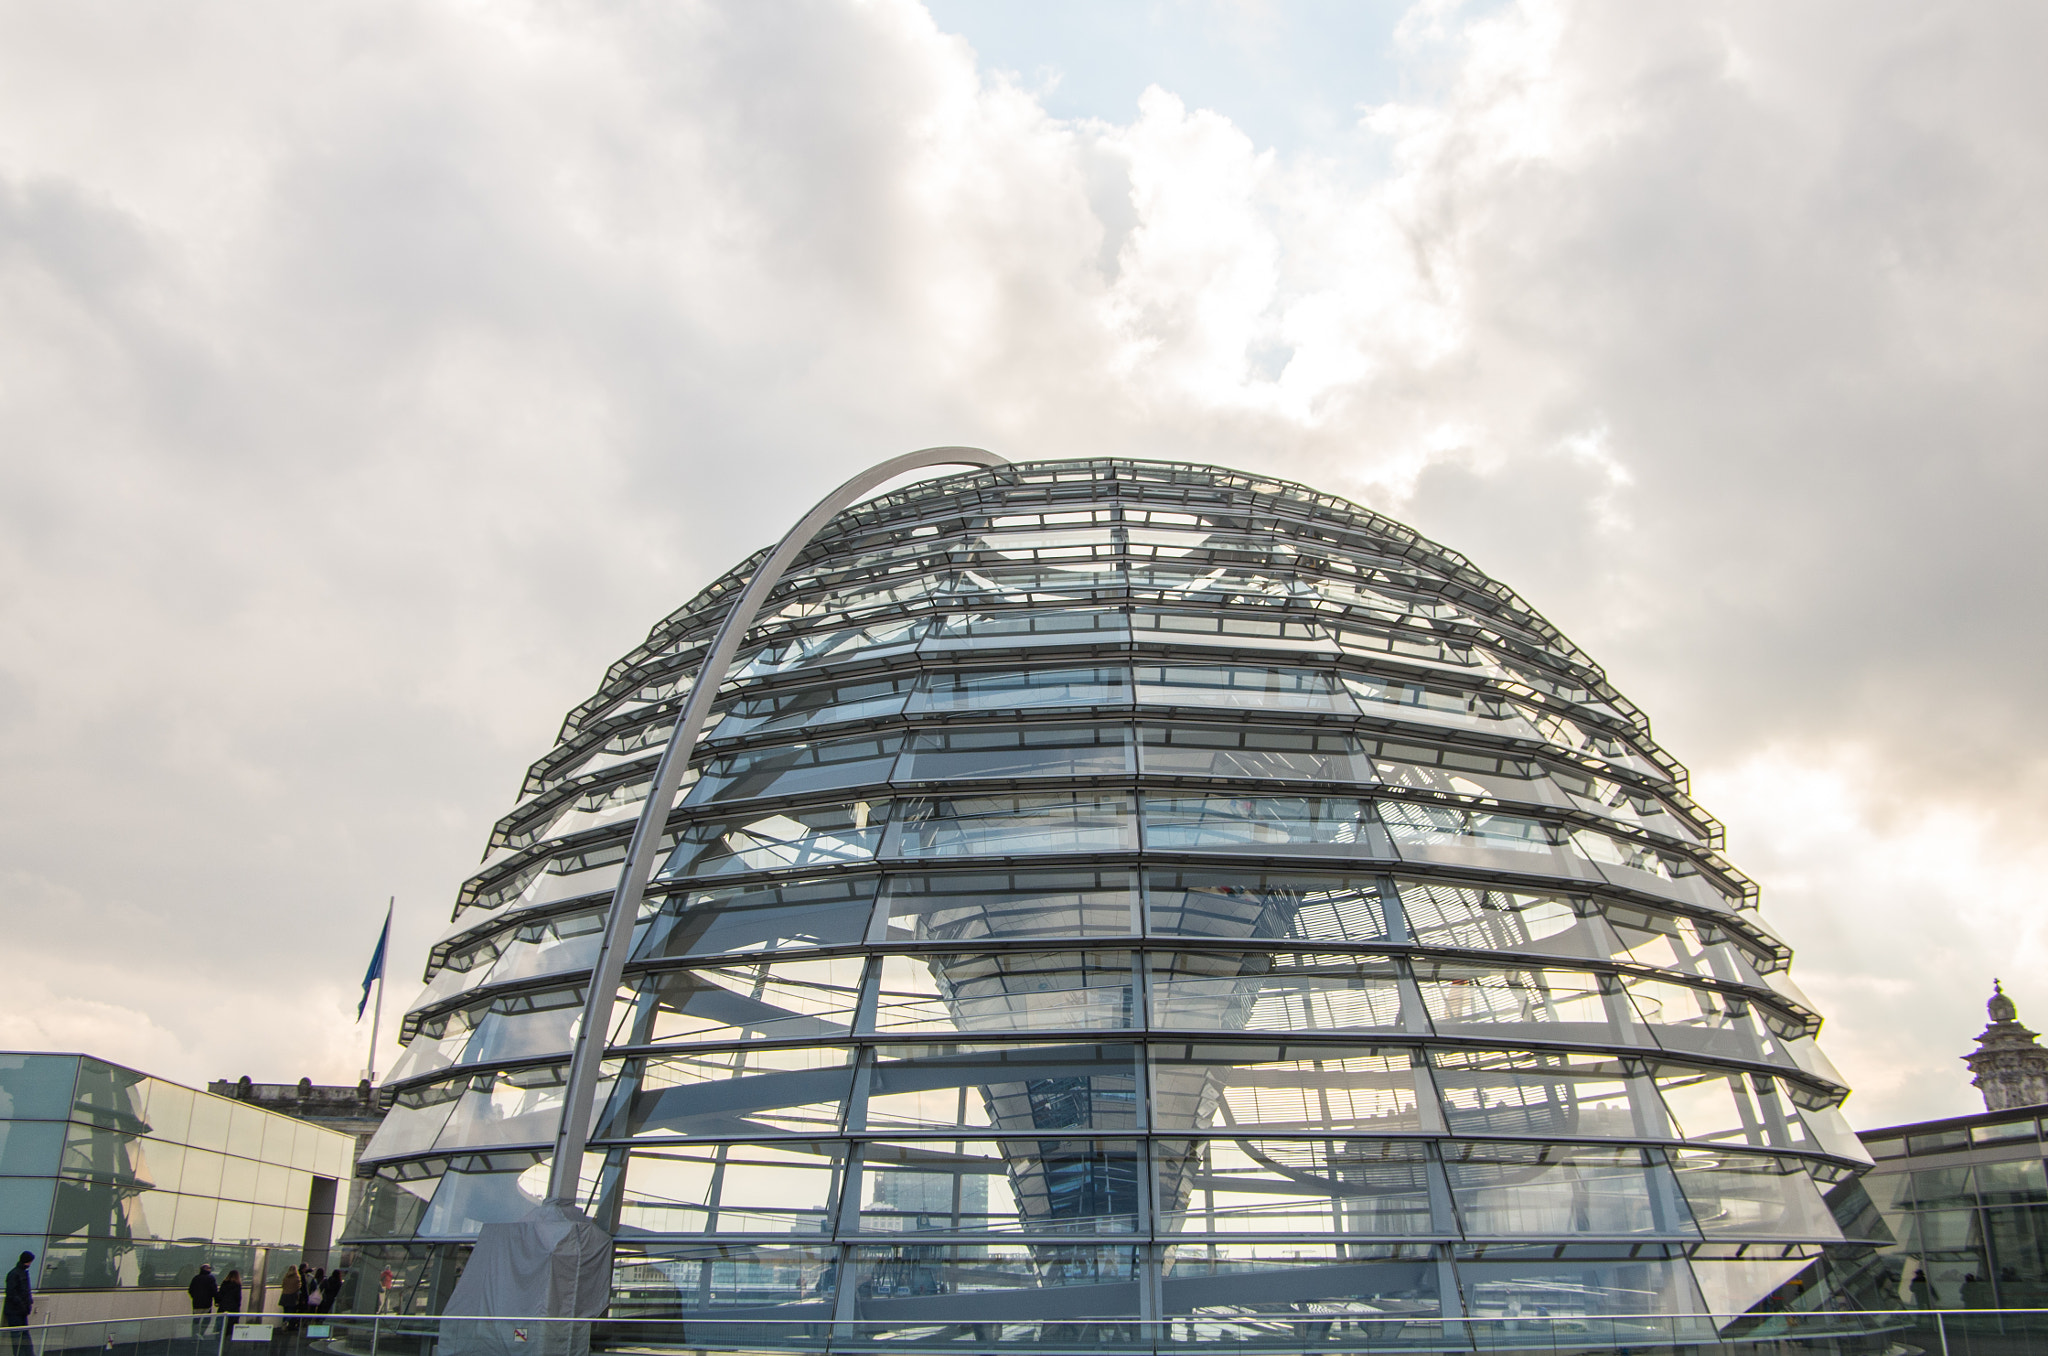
<point>772,917</point>
<point>982,992</point>
<point>1200,902</point>
<point>812,835</point>
<point>1295,1087</point>
<point>1331,825</point>
<point>1563,1190</point>
<point>966,906</point>
<point>1377,1187</point>
<point>1003,825</point>
<point>762,1000</point>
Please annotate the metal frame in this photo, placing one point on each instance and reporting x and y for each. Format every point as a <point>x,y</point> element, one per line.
<point>588,1053</point>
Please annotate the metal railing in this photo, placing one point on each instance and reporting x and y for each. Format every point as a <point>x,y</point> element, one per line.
<point>1910,1332</point>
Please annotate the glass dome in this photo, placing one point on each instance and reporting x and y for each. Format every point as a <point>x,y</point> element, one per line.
<point>1121,890</point>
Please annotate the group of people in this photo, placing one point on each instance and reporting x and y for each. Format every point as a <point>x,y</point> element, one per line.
<point>307,1290</point>
<point>211,1296</point>
<point>301,1290</point>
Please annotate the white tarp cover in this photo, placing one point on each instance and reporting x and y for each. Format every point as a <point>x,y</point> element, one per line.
<point>555,1263</point>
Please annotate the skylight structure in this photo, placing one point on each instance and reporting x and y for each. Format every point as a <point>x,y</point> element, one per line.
<point>1117,891</point>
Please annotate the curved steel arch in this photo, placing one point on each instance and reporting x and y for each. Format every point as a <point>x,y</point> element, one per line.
<point>588,1053</point>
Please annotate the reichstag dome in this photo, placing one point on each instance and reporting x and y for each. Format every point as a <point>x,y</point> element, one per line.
<point>1117,890</point>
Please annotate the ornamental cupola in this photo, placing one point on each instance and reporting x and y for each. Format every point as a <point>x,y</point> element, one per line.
<point>2009,1065</point>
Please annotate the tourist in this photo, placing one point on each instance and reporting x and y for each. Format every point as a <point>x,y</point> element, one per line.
<point>229,1301</point>
<point>20,1303</point>
<point>329,1288</point>
<point>204,1290</point>
<point>288,1297</point>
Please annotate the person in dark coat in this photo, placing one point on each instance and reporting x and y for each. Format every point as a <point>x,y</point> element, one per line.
<point>329,1288</point>
<point>20,1303</point>
<point>203,1289</point>
<point>230,1300</point>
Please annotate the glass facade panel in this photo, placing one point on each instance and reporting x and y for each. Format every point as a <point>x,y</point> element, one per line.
<point>775,917</point>
<point>968,906</point>
<point>1115,890</point>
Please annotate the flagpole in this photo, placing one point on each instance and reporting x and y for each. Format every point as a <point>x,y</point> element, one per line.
<point>378,1019</point>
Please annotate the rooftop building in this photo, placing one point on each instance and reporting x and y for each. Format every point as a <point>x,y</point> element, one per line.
<point>123,1184</point>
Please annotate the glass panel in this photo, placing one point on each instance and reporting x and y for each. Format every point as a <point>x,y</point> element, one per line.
<point>414,1121</point>
<point>1678,944</point>
<point>815,835</point>
<point>1354,1296</point>
<point>988,1283</point>
<point>664,1280</point>
<point>203,1169</point>
<point>972,826</point>
<point>521,1026</point>
<point>1719,1107</point>
<point>1555,1004</point>
<point>1461,772</point>
<point>733,1188</point>
<point>1011,628</point>
<point>1620,1290</point>
<point>523,1106</point>
<point>1754,1196</point>
<point>1561,1190</point>
<point>801,708</point>
<point>2003,1133</point>
<point>1006,991</point>
<point>485,1189</point>
<point>1451,836</point>
<point>1498,920</point>
<point>1943,1186</point>
<point>2019,1248</point>
<point>169,1110</point>
<point>1287,991</point>
<point>30,1148</point>
<point>1234,905</point>
<point>1254,753</point>
<point>729,1092</point>
<point>112,1096</point>
<point>1040,1185</point>
<point>1197,1086</point>
<point>1009,689</point>
<point>767,1000</point>
<point>245,1130</point>
<point>1325,825</point>
<point>551,946</point>
<point>238,1179</point>
<point>969,906</point>
<point>1231,630</point>
<point>108,1155</point>
<point>1541,1094</point>
<point>1072,1087</point>
<point>1446,706</point>
<point>25,1204</point>
<point>2012,1183</point>
<point>1697,1021</point>
<point>390,1206</point>
<point>776,917</point>
<point>1242,687</point>
<point>1017,751</point>
<point>794,769</point>
<point>1311,1186</point>
<point>1950,1246</point>
<point>829,646</point>
<point>210,1121</point>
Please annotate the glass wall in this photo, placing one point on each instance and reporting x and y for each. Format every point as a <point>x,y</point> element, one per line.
<point>1111,890</point>
<point>115,1179</point>
<point>1966,1205</point>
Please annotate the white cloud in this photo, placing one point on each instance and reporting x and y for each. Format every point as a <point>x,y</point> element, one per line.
<point>370,378</point>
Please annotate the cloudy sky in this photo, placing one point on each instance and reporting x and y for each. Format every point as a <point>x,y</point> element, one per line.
<point>373,374</point>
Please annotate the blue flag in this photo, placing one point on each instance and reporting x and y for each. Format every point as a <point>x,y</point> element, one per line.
<point>376,971</point>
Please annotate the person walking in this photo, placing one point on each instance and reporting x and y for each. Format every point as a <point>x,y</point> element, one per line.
<point>229,1301</point>
<point>288,1298</point>
<point>204,1290</point>
<point>19,1304</point>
